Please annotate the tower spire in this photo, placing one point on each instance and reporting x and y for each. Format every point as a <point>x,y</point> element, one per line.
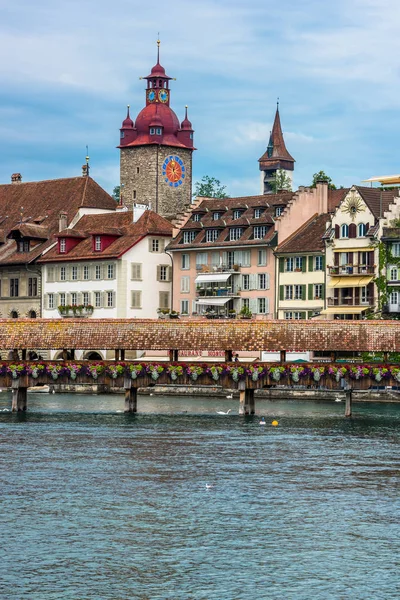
<point>158,48</point>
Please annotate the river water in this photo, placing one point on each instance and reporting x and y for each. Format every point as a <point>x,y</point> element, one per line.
<point>177,505</point>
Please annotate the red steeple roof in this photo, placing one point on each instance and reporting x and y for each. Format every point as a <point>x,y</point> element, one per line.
<point>276,155</point>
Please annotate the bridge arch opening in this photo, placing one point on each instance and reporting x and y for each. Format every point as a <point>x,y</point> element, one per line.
<point>92,355</point>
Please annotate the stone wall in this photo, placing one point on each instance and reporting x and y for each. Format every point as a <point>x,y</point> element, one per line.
<point>142,182</point>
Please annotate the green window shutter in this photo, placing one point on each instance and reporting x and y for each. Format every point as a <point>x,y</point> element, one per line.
<point>303,315</point>
<point>281,265</point>
<point>309,314</point>
<point>310,291</point>
<point>310,263</point>
<point>323,291</point>
<point>281,292</point>
<point>323,263</point>
<point>303,292</point>
<point>304,264</point>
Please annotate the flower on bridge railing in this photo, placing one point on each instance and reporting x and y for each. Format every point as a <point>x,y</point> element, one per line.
<point>135,369</point>
<point>155,371</point>
<point>115,371</point>
<point>54,370</point>
<point>194,371</point>
<point>317,372</point>
<point>175,371</point>
<point>17,370</point>
<point>256,372</point>
<point>276,372</point>
<point>337,372</point>
<point>215,371</point>
<point>395,373</point>
<point>237,373</point>
<point>296,372</point>
<point>378,373</point>
<point>357,371</point>
<point>38,369</point>
<point>73,371</point>
<point>96,370</point>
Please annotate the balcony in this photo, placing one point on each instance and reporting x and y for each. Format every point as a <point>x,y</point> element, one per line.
<point>351,270</point>
<point>350,301</point>
<point>212,292</point>
<point>231,269</point>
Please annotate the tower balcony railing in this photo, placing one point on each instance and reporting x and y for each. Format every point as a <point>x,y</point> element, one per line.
<point>351,270</point>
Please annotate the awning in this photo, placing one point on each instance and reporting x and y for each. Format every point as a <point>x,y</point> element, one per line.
<point>344,310</point>
<point>348,282</point>
<point>212,277</point>
<point>213,301</point>
<point>385,179</point>
<point>360,249</point>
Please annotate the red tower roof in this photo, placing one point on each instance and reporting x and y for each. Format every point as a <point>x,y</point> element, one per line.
<point>276,153</point>
<point>186,124</point>
<point>127,123</point>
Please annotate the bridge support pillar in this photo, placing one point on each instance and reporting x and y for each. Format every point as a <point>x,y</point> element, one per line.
<point>247,403</point>
<point>130,396</point>
<point>283,356</point>
<point>174,355</point>
<point>19,397</point>
<point>72,353</point>
<point>228,355</point>
<point>347,408</point>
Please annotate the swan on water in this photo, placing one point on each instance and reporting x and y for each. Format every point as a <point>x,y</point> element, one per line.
<point>221,412</point>
<point>230,396</point>
<point>209,486</point>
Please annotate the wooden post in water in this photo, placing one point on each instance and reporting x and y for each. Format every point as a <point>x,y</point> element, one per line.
<point>347,410</point>
<point>130,396</point>
<point>246,399</point>
<point>19,396</point>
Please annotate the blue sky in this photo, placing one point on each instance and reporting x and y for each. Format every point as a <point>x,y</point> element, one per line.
<point>69,69</point>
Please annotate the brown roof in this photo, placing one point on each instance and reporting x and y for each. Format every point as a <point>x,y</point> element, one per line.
<point>38,199</point>
<point>29,231</point>
<point>335,197</point>
<point>276,150</point>
<point>376,199</point>
<point>226,206</point>
<point>150,223</point>
<point>391,233</point>
<point>308,237</point>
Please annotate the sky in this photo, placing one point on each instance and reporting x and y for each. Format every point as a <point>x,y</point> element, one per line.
<point>69,69</point>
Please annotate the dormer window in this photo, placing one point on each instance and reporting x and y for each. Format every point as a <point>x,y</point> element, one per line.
<point>97,243</point>
<point>196,217</point>
<point>24,246</point>
<point>158,130</point>
<point>235,233</point>
<point>258,212</point>
<point>216,216</point>
<point>212,235</point>
<point>278,211</point>
<point>237,213</point>
<point>63,245</point>
<point>259,232</point>
<point>189,236</point>
<point>152,130</point>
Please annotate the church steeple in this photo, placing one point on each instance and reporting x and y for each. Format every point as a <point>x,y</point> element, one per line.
<point>275,157</point>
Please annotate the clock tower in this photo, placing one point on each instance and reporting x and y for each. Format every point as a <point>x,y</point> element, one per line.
<point>156,151</point>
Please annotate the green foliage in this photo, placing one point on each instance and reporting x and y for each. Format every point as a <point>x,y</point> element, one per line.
<point>281,182</point>
<point>209,187</point>
<point>116,193</point>
<point>322,176</point>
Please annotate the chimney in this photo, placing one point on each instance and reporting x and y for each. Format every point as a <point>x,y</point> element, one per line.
<point>138,211</point>
<point>16,178</point>
<point>62,223</point>
<point>322,196</point>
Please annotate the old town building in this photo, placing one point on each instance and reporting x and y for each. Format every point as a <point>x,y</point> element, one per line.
<point>276,157</point>
<point>156,151</point>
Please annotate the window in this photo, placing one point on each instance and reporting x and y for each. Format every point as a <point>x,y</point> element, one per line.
<point>74,298</point>
<point>362,230</point>
<point>14,287</point>
<point>344,231</point>
<point>196,217</point>
<point>278,210</point>
<point>136,271</point>
<point>394,298</point>
<point>235,233</point>
<point>245,302</point>
<point>185,284</point>
<point>258,212</point>
<point>318,263</point>
<point>163,300</point>
<point>162,273</point>
<point>185,264</point>
<point>289,264</point>
<point>63,273</point>
<point>184,307</point>
<point>110,271</point>
<point>24,246</point>
<point>189,236</point>
<point>158,130</point>
<point>97,243</point>
<point>97,272</point>
<point>396,250</point>
<point>201,259</point>
<point>246,282</point>
<point>134,194</point>
<point>50,273</point>
<point>191,136</point>
<point>237,213</point>
<point>262,305</point>
<point>288,316</point>
<point>152,130</point>
<point>74,273</point>
<point>293,315</point>
<point>97,299</point>
<point>63,245</point>
<point>50,301</point>
<point>32,286</point>
<point>298,292</point>
<point>259,232</point>
<point>212,235</point>
<point>289,292</point>
<point>137,170</point>
<point>317,291</point>
<point>298,263</point>
<point>62,299</point>
<point>262,258</point>
<point>110,299</point>
<point>85,298</point>
<point>262,281</point>
<point>344,259</point>
<point>393,274</point>
<point>86,272</point>
<point>216,216</point>
<point>136,301</point>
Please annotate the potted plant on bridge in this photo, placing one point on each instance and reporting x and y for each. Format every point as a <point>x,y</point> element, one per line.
<point>174,314</point>
<point>245,313</point>
<point>232,313</point>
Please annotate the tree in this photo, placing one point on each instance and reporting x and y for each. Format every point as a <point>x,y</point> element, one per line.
<point>116,193</point>
<point>209,187</point>
<point>281,182</point>
<point>322,176</point>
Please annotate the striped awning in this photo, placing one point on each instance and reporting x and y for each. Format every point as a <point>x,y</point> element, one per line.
<point>212,277</point>
<point>348,282</point>
<point>213,301</point>
<point>344,310</point>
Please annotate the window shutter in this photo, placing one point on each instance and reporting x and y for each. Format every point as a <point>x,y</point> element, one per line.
<point>225,258</point>
<point>322,291</point>
<point>366,228</point>
<point>281,264</point>
<point>266,305</point>
<point>253,305</point>
<point>79,298</point>
<point>68,298</point>
<point>303,315</point>
<point>137,299</point>
<point>351,255</point>
<point>303,292</point>
<point>310,291</point>
<point>371,258</point>
<point>336,259</point>
<point>337,231</point>
<point>161,245</point>
<point>150,244</point>
<point>352,230</point>
<point>304,263</point>
<point>311,263</point>
<point>253,281</point>
<point>158,272</point>
<point>281,292</point>
<point>267,281</point>
<point>357,295</point>
<point>323,263</point>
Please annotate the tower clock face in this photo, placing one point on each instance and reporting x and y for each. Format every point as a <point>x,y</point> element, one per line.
<point>173,171</point>
<point>163,96</point>
<point>151,95</point>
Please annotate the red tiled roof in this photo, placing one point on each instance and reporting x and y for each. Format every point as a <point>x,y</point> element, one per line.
<point>30,231</point>
<point>308,237</point>
<point>150,223</point>
<point>376,199</point>
<point>335,197</point>
<point>279,150</point>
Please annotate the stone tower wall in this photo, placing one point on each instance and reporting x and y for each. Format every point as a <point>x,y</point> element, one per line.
<point>142,180</point>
